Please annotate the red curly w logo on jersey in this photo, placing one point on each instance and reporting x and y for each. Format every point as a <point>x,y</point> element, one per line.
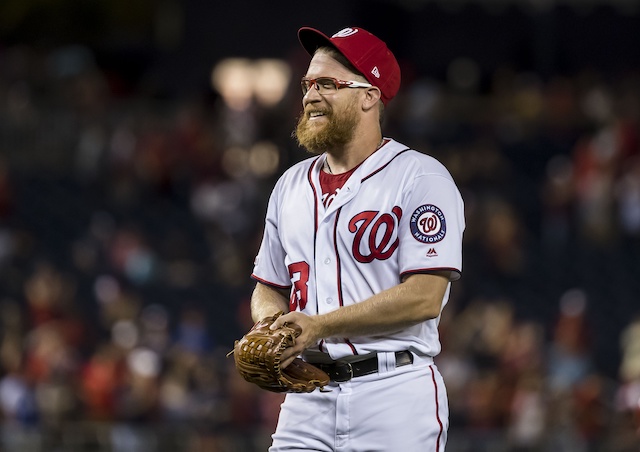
<point>375,231</point>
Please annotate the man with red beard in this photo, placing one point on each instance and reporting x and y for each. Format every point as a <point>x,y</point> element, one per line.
<point>361,244</point>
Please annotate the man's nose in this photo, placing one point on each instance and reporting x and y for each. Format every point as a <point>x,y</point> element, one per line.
<point>312,93</point>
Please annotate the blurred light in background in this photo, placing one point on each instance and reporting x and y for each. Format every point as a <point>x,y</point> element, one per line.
<point>271,80</point>
<point>125,334</point>
<point>144,362</point>
<point>107,289</point>
<point>261,160</point>
<point>573,303</point>
<point>232,78</point>
<point>235,162</point>
<point>264,159</point>
<point>216,201</point>
<point>241,80</point>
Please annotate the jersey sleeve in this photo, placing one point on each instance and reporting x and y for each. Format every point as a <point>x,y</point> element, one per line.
<point>269,265</point>
<point>431,227</point>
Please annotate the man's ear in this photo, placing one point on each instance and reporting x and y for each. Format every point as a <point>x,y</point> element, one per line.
<point>371,98</point>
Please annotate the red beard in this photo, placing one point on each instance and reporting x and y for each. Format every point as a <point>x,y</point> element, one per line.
<point>335,133</point>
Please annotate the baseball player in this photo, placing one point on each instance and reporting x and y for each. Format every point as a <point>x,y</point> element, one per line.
<point>361,243</point>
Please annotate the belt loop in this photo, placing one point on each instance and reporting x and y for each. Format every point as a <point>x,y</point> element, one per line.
<point>386,362</point>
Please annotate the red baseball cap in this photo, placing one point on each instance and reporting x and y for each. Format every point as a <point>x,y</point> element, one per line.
<point>365,51</point>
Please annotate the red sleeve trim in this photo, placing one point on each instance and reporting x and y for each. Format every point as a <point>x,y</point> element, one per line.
<point>455,273</point>
<point>268,283</point>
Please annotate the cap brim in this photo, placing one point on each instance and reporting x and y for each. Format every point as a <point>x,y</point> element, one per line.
<point>311,39</point>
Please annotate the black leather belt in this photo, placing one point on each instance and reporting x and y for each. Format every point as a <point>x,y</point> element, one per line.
<point>341,371</point>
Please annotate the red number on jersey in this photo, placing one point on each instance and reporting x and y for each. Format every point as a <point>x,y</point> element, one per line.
<point>299,273</point>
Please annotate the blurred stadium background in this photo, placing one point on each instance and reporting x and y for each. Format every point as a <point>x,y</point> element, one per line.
<point>139,141</point>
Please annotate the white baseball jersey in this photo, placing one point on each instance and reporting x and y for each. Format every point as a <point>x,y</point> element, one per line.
<point>399,213</point>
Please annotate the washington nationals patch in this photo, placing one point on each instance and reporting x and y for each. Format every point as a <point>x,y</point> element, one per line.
<point>428,224</point>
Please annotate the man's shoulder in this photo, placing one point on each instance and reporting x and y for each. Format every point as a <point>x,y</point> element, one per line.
<point>416,161</point>
<point>298,171</point>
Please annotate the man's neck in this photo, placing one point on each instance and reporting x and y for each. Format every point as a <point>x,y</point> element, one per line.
<point>351,155</point>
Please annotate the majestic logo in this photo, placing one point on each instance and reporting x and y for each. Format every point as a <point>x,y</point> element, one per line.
<point>345,32</point>
<point>380,230</point>
<point>375,72</point>
<point>428,224</point>
<point>432,252</point>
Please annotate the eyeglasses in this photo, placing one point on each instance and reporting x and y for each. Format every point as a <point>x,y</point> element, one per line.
<point>329,85</point>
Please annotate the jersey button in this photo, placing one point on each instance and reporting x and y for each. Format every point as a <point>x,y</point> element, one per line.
<point>329,300</point>
<point>327,261</point>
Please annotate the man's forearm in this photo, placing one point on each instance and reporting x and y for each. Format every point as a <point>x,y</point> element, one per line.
<point>266,301</point>
<point>409,303</point>
<point>417,299</point>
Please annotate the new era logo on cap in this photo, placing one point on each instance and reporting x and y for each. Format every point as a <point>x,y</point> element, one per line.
<point>366,52</point>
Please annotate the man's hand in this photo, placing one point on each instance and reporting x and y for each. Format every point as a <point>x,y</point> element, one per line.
<point>310,327</point>
<point>258,357</point>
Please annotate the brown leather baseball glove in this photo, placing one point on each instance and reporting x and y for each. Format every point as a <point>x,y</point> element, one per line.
<point>257,356</point>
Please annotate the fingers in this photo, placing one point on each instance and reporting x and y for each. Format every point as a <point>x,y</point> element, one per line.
<point>284,319</point>
<point>297,321</point>
<point>284,363</point>
<point>291,353</point>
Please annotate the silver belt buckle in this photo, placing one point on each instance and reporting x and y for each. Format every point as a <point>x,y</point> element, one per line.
<point>340,376</point>
<point>350,370</point>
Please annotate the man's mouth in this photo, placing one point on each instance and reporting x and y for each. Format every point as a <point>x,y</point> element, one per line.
<point>316,114</point>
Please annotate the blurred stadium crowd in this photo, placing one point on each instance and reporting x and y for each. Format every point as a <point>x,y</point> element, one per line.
<point>128,227</point>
